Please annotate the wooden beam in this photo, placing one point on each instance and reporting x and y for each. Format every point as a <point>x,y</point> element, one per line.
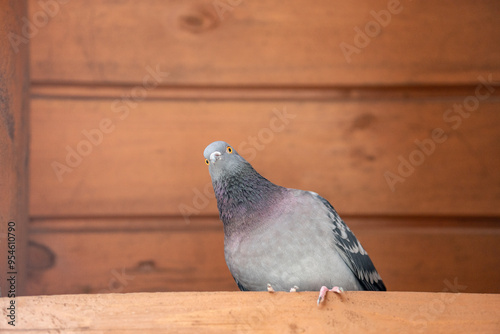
<point>166,254</point>
<point>266,43</point>
<point>257,312</point>
<point>147,159</point>
<point>14,124</point>
<point>97,90</point>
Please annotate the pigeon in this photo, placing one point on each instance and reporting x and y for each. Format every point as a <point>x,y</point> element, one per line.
<point>283,239</point>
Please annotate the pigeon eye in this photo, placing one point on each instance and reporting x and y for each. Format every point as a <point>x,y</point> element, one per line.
<point>207,162</point>
<point>229,150</point>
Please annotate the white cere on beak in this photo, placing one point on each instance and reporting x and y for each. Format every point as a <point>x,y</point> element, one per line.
<point>214,156</point>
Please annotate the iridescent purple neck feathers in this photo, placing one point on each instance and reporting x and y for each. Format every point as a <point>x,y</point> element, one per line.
<point>244,196</point>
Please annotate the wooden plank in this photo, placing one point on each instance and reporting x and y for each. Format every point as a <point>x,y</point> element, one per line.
<point>148,161</point>
<point>130,260</point>
<point>258,312</point>
<point>14,84</point>
<point>153,254</point>
<point>266,43</point>
<point>44,90</point>
<point>427,256</point>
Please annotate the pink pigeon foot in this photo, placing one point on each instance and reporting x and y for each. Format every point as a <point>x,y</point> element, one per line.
<point>324,290</point>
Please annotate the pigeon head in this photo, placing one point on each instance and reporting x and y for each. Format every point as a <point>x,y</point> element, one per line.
<point>241,192</point>
<point>223,160</point>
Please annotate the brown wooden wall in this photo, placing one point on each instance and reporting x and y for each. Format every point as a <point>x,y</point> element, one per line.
<point>14,158</point>
<point>390,111</point>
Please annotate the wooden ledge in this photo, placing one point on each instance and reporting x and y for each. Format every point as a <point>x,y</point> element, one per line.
<point>256,312</point>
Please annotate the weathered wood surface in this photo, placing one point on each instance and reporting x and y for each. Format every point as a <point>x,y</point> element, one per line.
<point>147,160</point>
<point>268,42</point>
<point>154,254</point>
<point>14,139</point>
<point>251,93</point>
<point>256,312</point>
<point>211,77</point>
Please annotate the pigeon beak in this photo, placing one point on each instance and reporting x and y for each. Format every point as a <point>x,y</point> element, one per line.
<point>215,156</point>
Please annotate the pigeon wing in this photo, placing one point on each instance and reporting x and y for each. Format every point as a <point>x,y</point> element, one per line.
<point>352,252</point>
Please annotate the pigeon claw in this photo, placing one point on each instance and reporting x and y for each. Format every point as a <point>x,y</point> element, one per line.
<point>324,290</point>
<point>269,288</point>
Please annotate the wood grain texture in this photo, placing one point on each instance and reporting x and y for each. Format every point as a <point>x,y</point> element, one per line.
<point>14,123</point>
<point>208,93</point>
<point>134,255</point>
<point>160,79</point>
<point>258,312</point>
<point>150,163</point>
<point>118,260</point>
<point>268,43</point>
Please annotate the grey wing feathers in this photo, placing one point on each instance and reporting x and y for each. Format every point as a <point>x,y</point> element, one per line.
<point>240,286</point>
<point>352,252</point>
